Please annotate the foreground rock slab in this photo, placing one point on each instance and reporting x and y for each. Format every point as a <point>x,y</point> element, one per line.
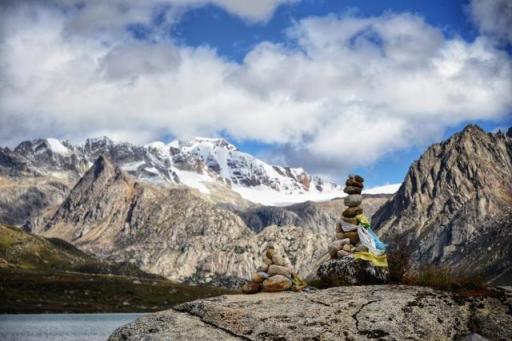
<point>382,312</point>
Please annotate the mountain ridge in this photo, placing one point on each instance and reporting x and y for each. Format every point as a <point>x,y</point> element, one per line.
<point>452,198</point>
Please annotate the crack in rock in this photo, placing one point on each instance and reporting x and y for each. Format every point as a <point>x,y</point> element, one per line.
<point>213,324</point>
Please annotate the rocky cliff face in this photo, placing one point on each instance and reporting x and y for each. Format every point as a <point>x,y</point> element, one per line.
<point>455,201</point>
<point>342,313</point>
<point>173,232</point>
<point>320,217</point>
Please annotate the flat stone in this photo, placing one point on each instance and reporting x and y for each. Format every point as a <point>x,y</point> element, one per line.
<point>352,190</point>
<point>352,212</point>
<point>353,200</point>
<point>353,182</point>
<point>351,221</point>
<point>276,283</point>
<point>279,270</point>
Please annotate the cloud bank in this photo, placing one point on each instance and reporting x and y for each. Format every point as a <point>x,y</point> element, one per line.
<point>343,91</point>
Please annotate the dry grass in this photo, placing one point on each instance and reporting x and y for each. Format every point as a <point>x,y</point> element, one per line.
<point>434,276</point>
<point>444,278</point>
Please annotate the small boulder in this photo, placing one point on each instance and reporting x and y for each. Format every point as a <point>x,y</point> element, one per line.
<point>251,288</point>
<point>277,283</point>
<point>350,271</point>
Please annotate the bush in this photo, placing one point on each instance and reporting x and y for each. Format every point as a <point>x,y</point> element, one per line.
<point>399,260</point>
<point>444,278</point>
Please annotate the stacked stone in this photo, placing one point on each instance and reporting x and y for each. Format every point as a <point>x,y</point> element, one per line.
<point>275,274</point>
<point>346,241</point>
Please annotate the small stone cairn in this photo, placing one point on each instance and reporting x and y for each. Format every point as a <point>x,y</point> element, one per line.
<point>275,274</point>
<point>347,239</point>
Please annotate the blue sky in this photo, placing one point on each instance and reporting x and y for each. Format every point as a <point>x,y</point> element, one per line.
<point>233,38</point>
<point>332,86</point>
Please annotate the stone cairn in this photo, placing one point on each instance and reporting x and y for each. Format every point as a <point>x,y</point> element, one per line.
<point>347,239</point>
<point>275,274</point>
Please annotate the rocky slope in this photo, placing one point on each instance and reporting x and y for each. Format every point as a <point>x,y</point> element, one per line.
<point>174,232</point>
<point>455,205</point>
<point>320,217</point>
<point>342,313</point>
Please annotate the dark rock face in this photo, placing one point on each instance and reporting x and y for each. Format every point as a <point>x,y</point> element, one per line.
<point>350,271</point>
<point>381,312</point>
<point>454,201</point>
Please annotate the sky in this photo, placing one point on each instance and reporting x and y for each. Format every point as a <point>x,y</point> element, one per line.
<point>331,86</point>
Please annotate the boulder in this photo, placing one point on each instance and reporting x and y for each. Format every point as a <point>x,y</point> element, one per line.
<point>350,271</point>
<point>251,288</point>
<point>276,283</point>
<point>279,270</point>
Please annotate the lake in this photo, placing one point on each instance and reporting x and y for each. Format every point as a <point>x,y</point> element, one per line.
<point>67,327</point>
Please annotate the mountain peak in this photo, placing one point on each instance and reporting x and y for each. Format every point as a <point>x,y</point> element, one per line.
<point>207,141</point>
<point>453,195</point>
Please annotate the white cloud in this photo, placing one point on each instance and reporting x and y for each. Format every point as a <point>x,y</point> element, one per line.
<point>344,92</point>
<point>494,17</point>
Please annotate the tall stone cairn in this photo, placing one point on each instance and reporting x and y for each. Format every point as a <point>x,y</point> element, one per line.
<point>275,274</point>
<point>347,240</point>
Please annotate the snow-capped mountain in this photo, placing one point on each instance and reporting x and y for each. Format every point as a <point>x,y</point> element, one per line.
<point>201,163</point>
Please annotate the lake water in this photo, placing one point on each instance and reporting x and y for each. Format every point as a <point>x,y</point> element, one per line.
<point>66,327</point>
